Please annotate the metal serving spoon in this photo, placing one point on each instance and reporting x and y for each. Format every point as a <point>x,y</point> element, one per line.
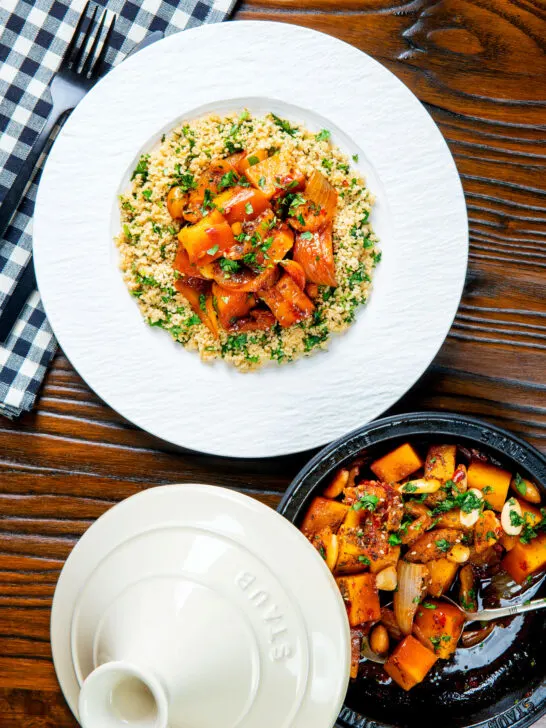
<point>485,615</point>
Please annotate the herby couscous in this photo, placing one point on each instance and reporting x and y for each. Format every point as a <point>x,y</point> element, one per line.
<point>247,238</point>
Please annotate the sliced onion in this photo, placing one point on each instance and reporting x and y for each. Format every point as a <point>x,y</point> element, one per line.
<point>412,586</point>
<point>321,192</point>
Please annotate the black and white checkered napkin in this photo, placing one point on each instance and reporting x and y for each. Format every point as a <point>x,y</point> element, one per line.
<point>33,38</point>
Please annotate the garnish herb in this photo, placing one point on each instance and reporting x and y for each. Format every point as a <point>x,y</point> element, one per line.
<point>323,135</point>
<point>367,502</point>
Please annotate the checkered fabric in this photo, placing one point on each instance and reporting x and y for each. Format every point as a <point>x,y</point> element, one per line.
<point>33,37</point>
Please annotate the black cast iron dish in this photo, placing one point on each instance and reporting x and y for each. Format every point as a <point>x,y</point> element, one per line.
<point>501,684</point>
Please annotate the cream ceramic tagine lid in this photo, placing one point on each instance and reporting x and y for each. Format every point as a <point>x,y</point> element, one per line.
<point>192,606</point>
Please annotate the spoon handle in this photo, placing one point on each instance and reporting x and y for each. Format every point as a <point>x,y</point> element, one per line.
<point>488,614</point>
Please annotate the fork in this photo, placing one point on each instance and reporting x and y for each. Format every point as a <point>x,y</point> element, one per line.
<point>77,74</point>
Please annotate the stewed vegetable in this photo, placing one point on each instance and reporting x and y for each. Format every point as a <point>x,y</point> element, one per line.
<point>414,526</point>
<point>243,219</point>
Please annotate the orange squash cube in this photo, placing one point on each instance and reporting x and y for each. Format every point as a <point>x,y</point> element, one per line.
<point>439,628</point>
<point>526,559</point>
<point>440,462</point>
<point>241,203</point>
<point>231,305</point>
<point>207,239</point>
<point>409,663</point>
<point>356,647</point>
<point>336,485</point>
<point>487,531</point>
<point>442,574</point>
<point>361,598</point>
<point>492,481</point>
<point>530,513</point>
<point>323,513</point>
<point>251,159</point>
<point>397,465</point>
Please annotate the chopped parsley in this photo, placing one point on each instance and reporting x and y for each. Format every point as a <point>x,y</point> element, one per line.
<point>313,340</point>
<point>355,157</point>
<point>203,302</point>
<point>323,135</point>
<point>515,519</point>
<point>207,201</point>
<point>520,484</point>
<point>327,164</point>
<point>487,489</point>
<point>127,232</point>
<point>147,194</point>
<point>284,125</point>
<point>394,539</point>
<point>261,182</point>
<point>469,502</point>
<point>248,208</point>
<point>306,236</point>
<point>213,250</point>
<point>229,266</point>
<point>185,180</point>
<point>367,502</point>
<point>252,160</point>
<point>443,544</point>
<point>364,560</point>
<point>409,488</point>
<point>228,180</point>
<point>429,605</point>
<point>141,168</point>
<point>193,320</point>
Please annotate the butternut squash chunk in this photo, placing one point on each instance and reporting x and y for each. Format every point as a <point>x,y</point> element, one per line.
<point>356,647</point>
<point>361,598</point>
<point>323,513</point>
<point>410,663</point>
<point>492,481</point>
<point>524,560</point>
<point>439,627</point>
<point>336,485</point>
<point>397,465</point>
<point>440,462</point>
<point>231,305</point>
<point>442,574</point>
<point>206,240</point>
<point>241,203</point>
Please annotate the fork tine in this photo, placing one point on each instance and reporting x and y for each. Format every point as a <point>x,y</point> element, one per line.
<point>91,55</point>
<point>73,41</point>
<point>99,64</point>
<point>87,35</point>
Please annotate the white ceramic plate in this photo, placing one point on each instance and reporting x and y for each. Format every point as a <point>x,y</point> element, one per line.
<point>420,216</point>
<point>249,560</point>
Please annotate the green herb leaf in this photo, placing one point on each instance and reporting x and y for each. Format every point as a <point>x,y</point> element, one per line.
<point>248,208</point>
<point>306,236</point>
<point>284,125</point>
<point>364,560</point>
<point>394,539</point>
<point>367,502</point>
<point>213,250</point>
<point>323,135</point>
<point>520,484</point>
<point>443,544</point>
<point>252,160</point>
<point>147,194</point>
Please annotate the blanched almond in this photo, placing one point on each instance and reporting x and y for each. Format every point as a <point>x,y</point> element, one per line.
<point>512,517</point>
<point>469,519</point>
<point>379,640</point>
<point>416,487</point>
<point>387,579</point>
<point>525,489</point>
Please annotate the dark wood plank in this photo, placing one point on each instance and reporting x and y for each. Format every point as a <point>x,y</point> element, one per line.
<point>479,67</point>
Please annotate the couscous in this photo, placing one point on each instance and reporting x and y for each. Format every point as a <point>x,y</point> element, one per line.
<point>247,238</point>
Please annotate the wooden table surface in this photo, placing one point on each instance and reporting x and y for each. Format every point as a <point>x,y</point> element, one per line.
<point>479,67</point>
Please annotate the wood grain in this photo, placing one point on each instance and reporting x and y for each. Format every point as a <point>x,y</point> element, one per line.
<point>479,68</point>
